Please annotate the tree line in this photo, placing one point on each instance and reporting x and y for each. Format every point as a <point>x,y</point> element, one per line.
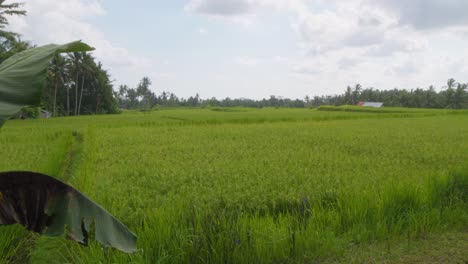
<point>453,96</point>
<point>141,97</point>
<point>78,84</point>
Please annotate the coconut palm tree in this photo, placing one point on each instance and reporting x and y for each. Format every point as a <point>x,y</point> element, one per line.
<point>12,9</point>
<point>59,74</point>
<point>356,92</point>
<point>459,96</point>
<point>450,92</point>
<point>87,70</point>
<point>10,43</point>
<point>348,95</point>
<point>75,68</point>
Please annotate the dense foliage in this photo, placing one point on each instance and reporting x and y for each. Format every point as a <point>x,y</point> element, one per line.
<point>453,96</point>
<point>76,85</point>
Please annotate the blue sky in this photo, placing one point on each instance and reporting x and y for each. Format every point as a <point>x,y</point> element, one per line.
<point>258,48</point>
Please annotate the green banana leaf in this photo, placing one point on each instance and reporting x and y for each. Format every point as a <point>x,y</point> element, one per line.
<point>41,203</point>
<point>22,76</point>
<point>48,206</point>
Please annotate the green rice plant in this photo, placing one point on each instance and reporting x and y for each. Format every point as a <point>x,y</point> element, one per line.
<point>262,186</point>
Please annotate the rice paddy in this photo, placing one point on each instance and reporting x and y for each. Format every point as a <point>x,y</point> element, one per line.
<point>239,185</point>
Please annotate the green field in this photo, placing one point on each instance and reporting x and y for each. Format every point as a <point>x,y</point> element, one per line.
<point>239,185</point>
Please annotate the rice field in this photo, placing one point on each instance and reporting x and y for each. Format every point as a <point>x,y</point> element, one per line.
<point>239,185</point>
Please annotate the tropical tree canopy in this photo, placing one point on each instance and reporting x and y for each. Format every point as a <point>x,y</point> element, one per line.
<point>76,85</point>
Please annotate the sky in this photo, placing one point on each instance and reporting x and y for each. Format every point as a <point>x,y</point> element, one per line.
<point>257,48</point>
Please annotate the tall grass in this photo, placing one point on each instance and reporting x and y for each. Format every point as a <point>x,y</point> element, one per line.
<point>306,231</point>
<point>263,186</point>
<point>37,150</point>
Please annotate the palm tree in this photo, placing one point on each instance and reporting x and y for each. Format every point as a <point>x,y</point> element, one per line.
<point>75,67</point>
<point>451,83</point>
<point>87,66</point>
<point>356,92</point>
<point>58,71</point>
<point>9,41</point>
<point>348,95</point>
<point>10,44</point>
<point>459,96</point>
<point>104,92</point>
<point>144,91</point>
<point>431,97</point>
<point>450,92</point>
<point>9,10</point>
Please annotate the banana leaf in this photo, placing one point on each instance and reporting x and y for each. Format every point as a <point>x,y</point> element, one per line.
<point>41,203</point>
<point>22,76</point>
<point>48,206</point>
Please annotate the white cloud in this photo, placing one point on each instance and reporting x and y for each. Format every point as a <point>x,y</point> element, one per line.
<point>369,30</point>
<point>307,69</point>
<point>238,11</point>
<point>203,31</point>
<point>49,21</point>
<point>281,60</point>
<point>384,43</point>
<point>242,12</point>
<point>351,26</point>
<point>346,63</point>
<point>164,76</point>
<point>427,14</point>
<point>231,8</point>
<point>220,8</point>
<point>247,61</point>
<point>408,67</point>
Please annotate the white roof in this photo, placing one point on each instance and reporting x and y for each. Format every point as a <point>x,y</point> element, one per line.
<point>373,104</point>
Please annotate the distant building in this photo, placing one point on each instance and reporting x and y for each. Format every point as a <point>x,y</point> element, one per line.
<point>371,104</point>
<point>45,114</point>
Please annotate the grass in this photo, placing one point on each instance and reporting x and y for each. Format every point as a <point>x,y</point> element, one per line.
<point>435,248</point>
<point>254,185</point>
<point>31,149</point>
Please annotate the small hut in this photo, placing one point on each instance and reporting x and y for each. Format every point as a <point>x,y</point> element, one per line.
<point>371,104</point>
<point>45,114</point>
